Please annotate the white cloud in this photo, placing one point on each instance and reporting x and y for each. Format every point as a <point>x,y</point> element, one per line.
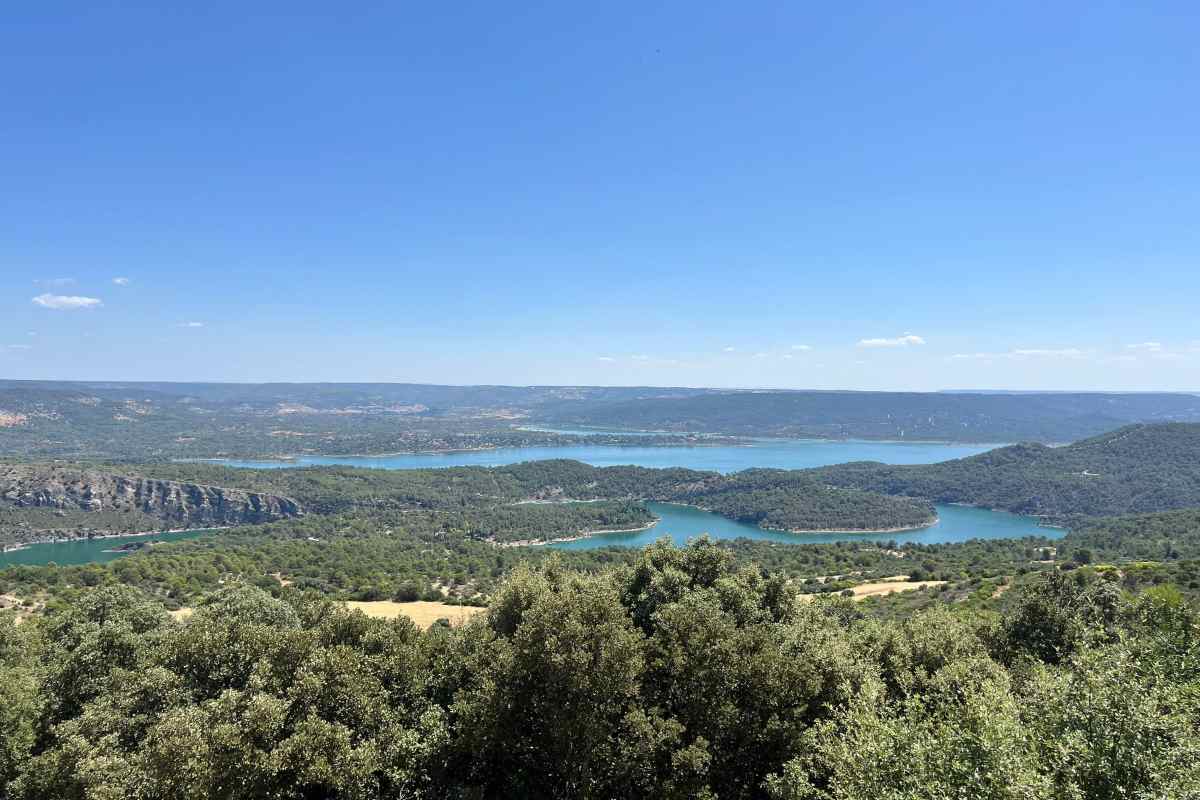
<point>899,341</point>
<point>801,347</point>
<point>606,358</point>
<point>641,358</point>
<point>121,281</point>
<point>728,349</point>
<point>786,355</point>
<point>1148,347</point>
<point>18,347</point>
<point>190,325</point>
<point>760,355</point>
<point>64,302</point>
<point>1039,352</point>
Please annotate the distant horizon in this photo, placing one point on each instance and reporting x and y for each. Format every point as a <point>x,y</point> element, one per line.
<point>762,389</point>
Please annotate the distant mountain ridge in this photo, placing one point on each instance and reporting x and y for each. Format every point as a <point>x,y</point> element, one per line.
<point>1049,417</point>
<point>157,421</point>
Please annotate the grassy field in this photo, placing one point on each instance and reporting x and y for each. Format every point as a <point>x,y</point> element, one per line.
<point>899,583</point>
<point>421,612</point>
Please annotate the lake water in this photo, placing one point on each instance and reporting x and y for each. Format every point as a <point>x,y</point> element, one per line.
<point>781,453</point>
<point>85,551</point>
<point>955,524</point>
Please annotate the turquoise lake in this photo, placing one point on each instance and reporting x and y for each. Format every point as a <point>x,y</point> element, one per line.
<point>956,523</point>
<point>781,453</point>
<point>85,551</point>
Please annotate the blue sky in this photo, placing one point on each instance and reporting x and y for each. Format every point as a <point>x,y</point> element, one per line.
<point>851,195</point>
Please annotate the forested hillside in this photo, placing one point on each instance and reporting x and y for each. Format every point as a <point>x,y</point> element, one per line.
<point>679,676</point>
<point>1139,468</point>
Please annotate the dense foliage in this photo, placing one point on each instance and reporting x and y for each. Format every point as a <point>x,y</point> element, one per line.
<point>679,675</point>
<point>792,500</point>
<point>1142,468</point>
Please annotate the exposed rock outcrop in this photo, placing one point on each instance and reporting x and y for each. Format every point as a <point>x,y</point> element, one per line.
<point>180,504</point>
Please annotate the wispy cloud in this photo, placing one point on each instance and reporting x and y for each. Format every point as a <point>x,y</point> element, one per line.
<point>121,281</point>
<point>189,325</point>
<point>1025,352</point>
<point>606,358</point>
<point>729,349</point>
<point>1044,352</point>
<point>641,357</point>
<point>64,302</point>
<point>18,347</point>
<point>1146,347</point>
<point>801,347</point>
<point>900,341</point>
<point>761,355</point>
<point>55,282</point>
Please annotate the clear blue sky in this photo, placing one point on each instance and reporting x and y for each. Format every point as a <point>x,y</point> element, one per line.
<point>856,195</point>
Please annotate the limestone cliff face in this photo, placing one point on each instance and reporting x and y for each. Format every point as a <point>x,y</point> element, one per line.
<point>184,504</point>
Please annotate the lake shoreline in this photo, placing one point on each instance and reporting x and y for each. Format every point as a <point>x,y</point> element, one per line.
<point>802,531</point>
<point>577,537</point>
<point>69,540</point>
<point>713,440</point>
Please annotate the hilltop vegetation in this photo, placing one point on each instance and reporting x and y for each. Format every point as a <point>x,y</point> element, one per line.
<point>1139,468</point>
<point>678,676</point>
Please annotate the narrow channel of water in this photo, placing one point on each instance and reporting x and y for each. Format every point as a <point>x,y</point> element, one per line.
<point>955,524</point>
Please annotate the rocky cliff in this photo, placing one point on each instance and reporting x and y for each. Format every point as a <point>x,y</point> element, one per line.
<point>176,503</point>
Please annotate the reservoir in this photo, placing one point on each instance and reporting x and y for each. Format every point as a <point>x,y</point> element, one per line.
<point>956,523</point>
<point>779,453</point>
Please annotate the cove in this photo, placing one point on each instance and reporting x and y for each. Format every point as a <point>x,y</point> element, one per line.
<point>86,551</point>
<point>955,524</point>
<point>780,453</point>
